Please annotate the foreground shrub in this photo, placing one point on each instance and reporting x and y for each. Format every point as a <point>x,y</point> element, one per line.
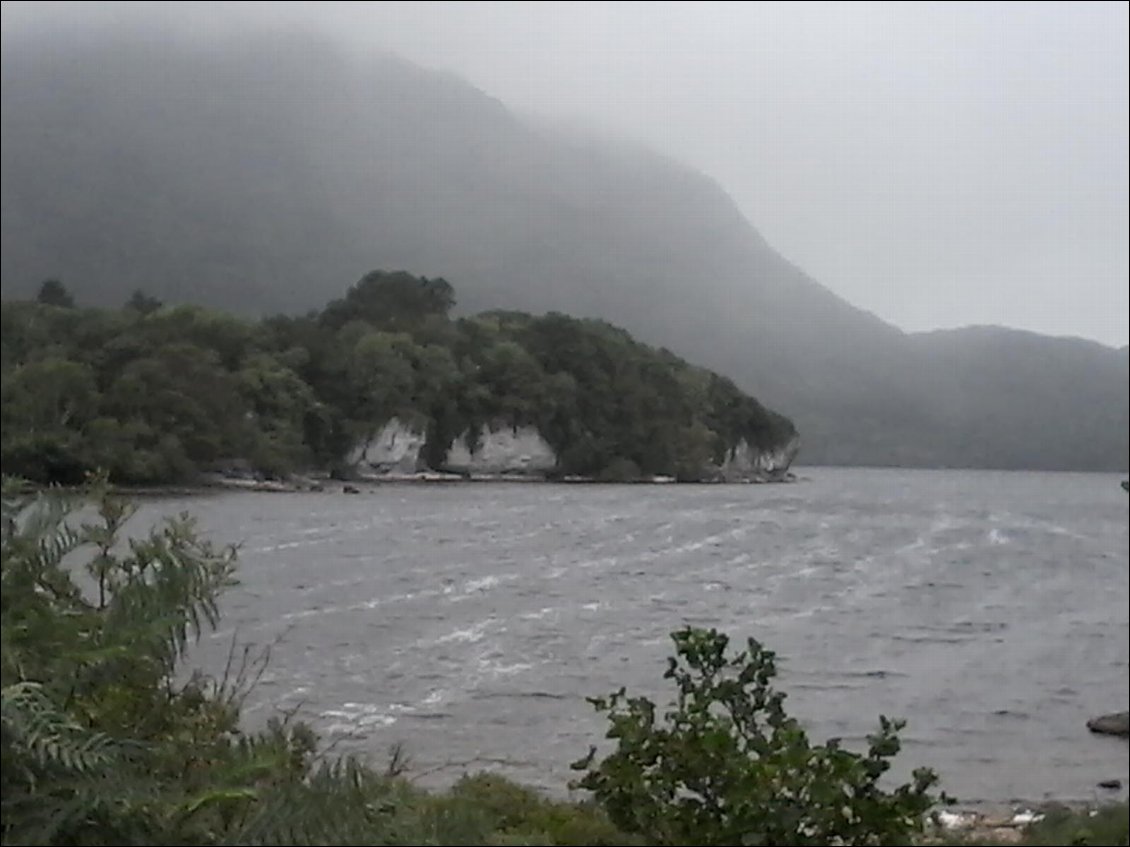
<point>100,743</point>
<point>490,809</point>
<point>727,765</point>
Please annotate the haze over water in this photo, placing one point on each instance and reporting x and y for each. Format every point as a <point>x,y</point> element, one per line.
<point>470,621</point>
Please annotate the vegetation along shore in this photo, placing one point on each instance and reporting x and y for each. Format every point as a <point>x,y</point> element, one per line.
<point>382,383</point>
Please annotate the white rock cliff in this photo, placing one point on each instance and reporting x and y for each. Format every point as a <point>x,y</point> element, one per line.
<point>397,450</point>
<point>748,464</point>
<point>394,449</point>
<point>505,450</point>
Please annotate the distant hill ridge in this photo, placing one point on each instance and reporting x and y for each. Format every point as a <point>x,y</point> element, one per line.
<point>258,173</point>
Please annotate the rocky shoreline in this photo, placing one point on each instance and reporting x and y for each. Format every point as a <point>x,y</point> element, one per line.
<point>298,484</point>
<point>218,483</point>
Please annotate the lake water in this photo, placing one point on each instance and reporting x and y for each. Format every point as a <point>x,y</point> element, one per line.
<point>469,621</point>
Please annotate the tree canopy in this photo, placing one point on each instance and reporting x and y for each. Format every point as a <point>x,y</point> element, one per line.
<point>157,393</point>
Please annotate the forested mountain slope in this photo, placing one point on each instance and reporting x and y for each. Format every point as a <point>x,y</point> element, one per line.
<point>257,173</point>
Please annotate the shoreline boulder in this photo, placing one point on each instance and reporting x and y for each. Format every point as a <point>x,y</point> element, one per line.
<point>1116,723</point>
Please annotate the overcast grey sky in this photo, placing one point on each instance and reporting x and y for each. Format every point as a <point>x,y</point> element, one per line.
<point>939,164</point>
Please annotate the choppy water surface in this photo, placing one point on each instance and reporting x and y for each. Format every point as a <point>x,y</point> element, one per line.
<point>470,621</point>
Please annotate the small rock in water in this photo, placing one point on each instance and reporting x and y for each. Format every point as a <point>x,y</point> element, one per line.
<point>1117,723</point>
<point>1112,784</point>
<point>350,489</point>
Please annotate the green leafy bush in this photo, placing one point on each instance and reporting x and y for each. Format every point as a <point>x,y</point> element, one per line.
<point>727,765</point>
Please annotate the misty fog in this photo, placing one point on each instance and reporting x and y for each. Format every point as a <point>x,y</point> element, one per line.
<point>939,165</point>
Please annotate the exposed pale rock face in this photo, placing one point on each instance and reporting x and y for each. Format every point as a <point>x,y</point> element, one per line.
<point>748,464</point>
<point>506,450</point>
<point>395,449</point>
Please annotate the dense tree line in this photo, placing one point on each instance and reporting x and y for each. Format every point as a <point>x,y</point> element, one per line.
<point>154,393</point>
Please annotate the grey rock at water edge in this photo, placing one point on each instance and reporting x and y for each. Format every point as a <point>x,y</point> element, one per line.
<point>1116,723</point>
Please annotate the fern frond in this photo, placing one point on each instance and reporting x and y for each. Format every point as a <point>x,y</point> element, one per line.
<point>34,726</point>
<point>170,591</point>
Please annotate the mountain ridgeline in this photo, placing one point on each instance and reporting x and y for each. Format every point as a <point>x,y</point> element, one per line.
<point>152,393</point>
<point>254,174</point>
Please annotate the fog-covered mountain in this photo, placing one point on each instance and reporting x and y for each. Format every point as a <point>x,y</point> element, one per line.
<point>267,174</point>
